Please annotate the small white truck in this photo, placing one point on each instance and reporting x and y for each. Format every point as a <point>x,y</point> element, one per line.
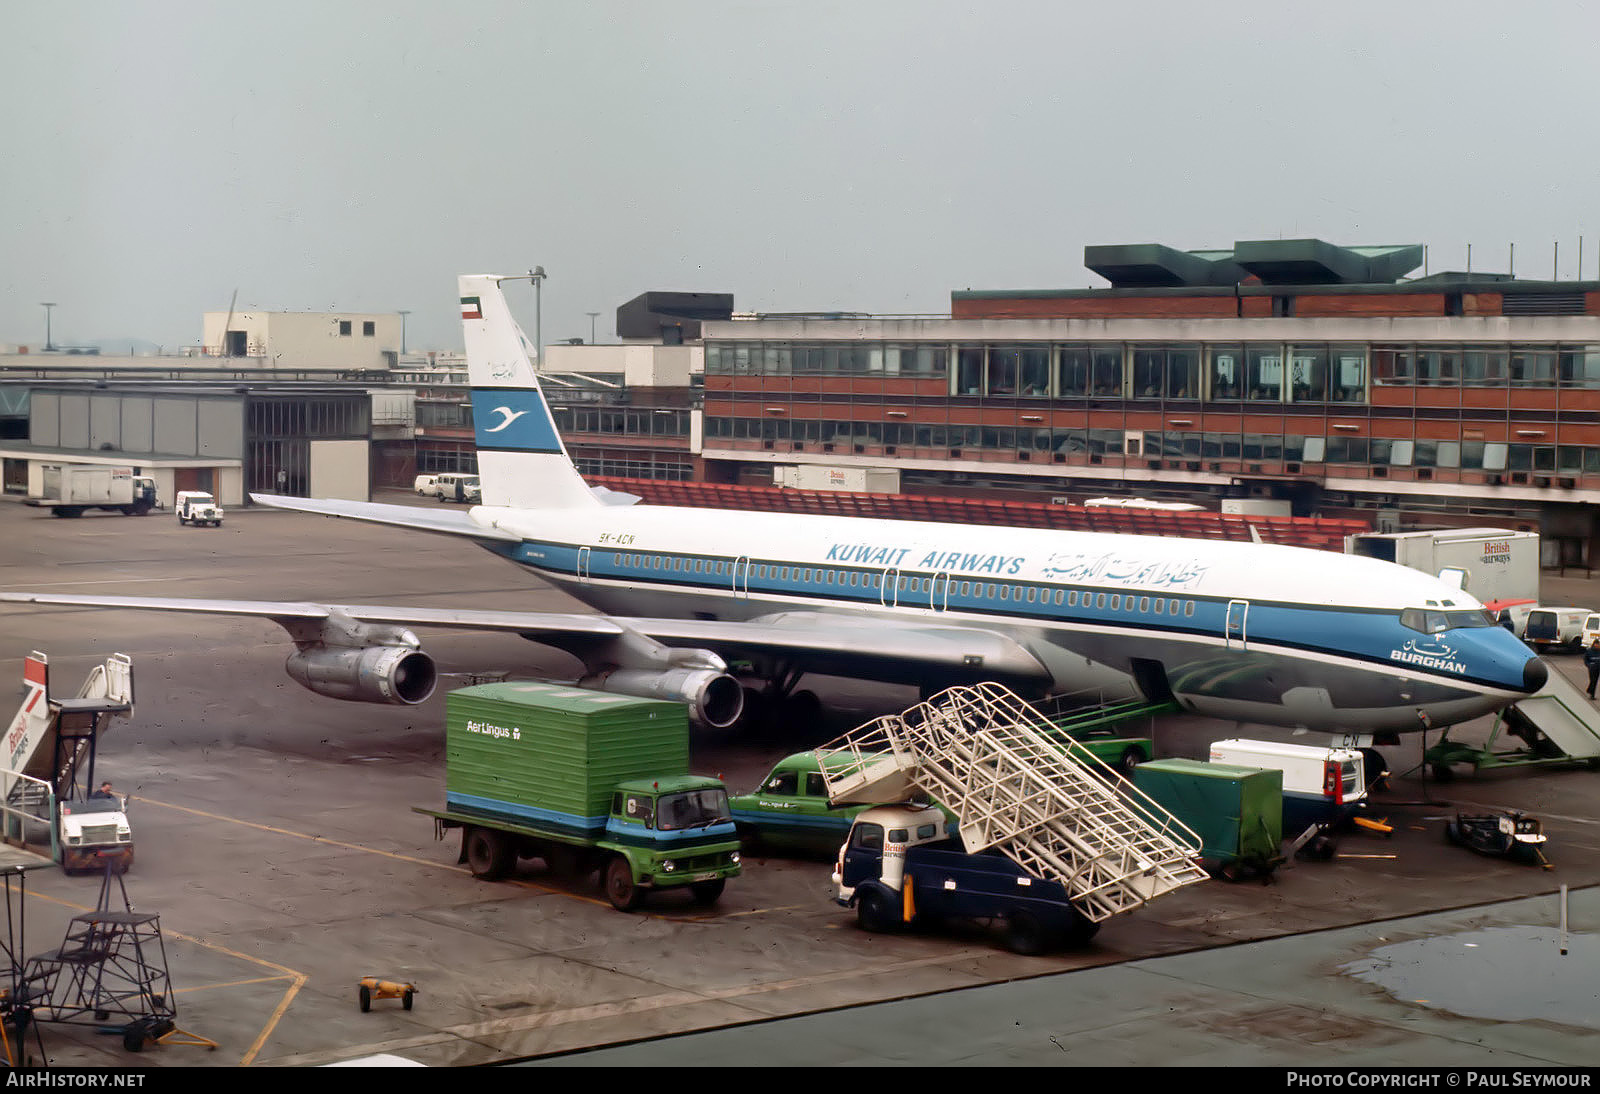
<point>95,833</point>
<point>197,507</point>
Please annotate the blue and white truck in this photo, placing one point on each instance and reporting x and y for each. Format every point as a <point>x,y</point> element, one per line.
<point>899,868</point>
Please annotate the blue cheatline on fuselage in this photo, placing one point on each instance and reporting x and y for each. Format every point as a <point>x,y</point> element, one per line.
<point>513,420</point>
<point>1342,632</point>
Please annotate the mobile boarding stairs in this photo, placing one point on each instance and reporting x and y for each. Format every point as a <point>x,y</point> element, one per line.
<point>1017,784</point>
<point>52,741</point>
<point>1558,724</point>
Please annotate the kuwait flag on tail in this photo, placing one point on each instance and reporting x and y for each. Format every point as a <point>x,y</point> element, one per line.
<point>470,308</point>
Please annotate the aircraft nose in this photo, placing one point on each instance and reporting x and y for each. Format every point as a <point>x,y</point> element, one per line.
<point>1534,674</point>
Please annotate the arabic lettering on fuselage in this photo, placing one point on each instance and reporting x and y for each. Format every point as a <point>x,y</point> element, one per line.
<point>872,554</point>
<point>1127,570</point>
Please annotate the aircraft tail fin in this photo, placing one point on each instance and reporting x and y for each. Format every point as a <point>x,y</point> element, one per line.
<point>522,463</point>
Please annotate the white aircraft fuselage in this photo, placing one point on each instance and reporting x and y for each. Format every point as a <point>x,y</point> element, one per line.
<point>1282,635</point>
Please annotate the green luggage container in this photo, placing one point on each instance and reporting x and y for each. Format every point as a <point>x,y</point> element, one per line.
<point>1236,811</point>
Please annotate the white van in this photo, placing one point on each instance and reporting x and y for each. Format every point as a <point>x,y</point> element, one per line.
<point>452,486</point>
<point>1591,629</point>
<point>1556,627</point>
<point>1321,785</point>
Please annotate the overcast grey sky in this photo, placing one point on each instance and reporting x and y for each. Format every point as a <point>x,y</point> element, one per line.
<point>871,155</point>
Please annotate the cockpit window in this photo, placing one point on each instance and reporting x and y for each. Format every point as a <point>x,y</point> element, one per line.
<point>1433,621</point>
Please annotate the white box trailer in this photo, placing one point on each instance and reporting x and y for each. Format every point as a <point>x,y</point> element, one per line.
<point>69,489</point>
<point>1501,567</point>
<point>859,480</point>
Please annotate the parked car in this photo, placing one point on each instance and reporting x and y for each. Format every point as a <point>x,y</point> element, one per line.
<point>198,507</point>
<point>425,485</point>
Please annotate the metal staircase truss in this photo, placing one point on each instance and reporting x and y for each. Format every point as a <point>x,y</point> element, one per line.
<point>1018,784</point>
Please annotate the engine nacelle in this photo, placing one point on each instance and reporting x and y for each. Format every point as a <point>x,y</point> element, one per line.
<point>370,674</point>
<point>715,699</point>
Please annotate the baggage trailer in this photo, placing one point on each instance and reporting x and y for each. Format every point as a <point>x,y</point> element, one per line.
<point>1236,811</point>
<point>587,781</point>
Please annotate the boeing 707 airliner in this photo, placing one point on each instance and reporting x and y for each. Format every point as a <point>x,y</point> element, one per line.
<point>1279,635</point>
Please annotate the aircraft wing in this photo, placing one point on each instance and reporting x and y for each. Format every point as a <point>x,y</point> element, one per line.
<point>453,522</point>
<point>843,645</point>
<point>811,641</point>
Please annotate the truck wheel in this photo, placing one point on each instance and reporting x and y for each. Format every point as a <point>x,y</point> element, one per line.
<point>1079,933</point>
<point>620,889</point>
<point>707,893</point>
<point>875,912</point>
<point>489,854</point>
<point>1026,935</point>
<point>1131,757</point>
<point>366,999</point>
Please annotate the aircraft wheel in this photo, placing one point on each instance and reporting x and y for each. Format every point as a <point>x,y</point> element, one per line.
<point>1377,772</point>
<point>366,999</point>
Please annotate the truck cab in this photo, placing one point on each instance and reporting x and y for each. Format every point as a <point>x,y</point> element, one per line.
<point>669,832</point>
<point>198,507</point>
<point>899,868</point>
<point>94,833</point>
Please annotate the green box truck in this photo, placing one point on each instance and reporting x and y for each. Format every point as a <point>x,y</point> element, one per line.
<point>586,781</point>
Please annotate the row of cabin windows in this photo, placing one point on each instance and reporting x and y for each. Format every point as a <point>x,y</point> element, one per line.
<point>932,586</point>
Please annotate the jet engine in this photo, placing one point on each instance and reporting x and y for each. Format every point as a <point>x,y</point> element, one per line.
<point>376,674</point>
<point>364,662</point>
<point>714,698</point>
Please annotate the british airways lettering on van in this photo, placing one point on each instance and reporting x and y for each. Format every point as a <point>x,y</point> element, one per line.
<point>1127,570</point>
<point>513,419</point>
<point>1430,655</point>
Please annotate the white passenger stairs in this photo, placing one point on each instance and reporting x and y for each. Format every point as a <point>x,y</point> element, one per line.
<point>1014,785</point>
<point>50,739</point>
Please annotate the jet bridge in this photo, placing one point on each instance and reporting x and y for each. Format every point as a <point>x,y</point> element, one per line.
<point>1016,784</point>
